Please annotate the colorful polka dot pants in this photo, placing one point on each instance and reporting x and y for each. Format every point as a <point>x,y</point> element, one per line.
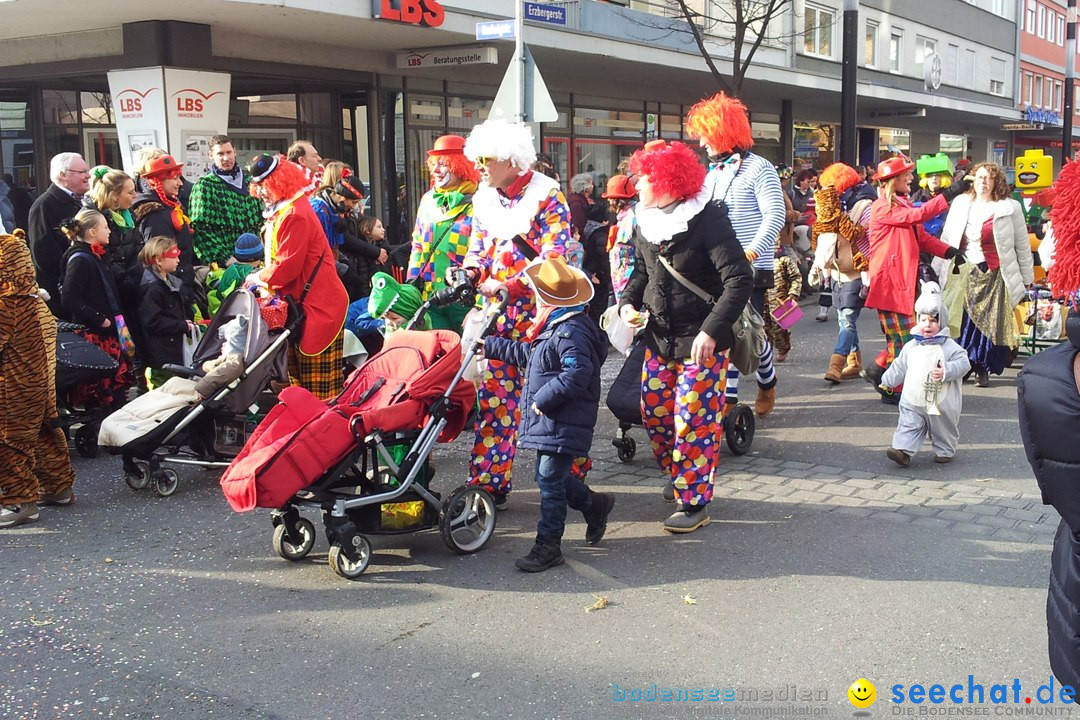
<point>680,403</point>
<point>498,399</point>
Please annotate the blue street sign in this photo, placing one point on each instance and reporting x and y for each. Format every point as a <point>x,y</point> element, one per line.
<point>542,12</point>
<point>495,30</point>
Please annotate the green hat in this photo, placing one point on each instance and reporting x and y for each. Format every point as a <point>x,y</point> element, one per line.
<point>387,295</point>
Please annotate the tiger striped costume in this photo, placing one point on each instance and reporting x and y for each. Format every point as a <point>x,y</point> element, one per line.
<point>33,454</point>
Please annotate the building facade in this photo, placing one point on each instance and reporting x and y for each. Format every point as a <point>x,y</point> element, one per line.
<point>1041,93</point>
<point>355,77</point>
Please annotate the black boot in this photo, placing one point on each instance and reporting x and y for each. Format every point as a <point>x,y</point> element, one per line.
<point>544,554</point>
<point>872,373</point>
<point>596,517</point>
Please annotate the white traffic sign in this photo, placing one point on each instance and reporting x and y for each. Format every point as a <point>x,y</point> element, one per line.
<point>537,106</point>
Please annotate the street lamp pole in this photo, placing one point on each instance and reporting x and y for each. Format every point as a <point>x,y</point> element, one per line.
<point>1070,65</point>
<point>848,84</point>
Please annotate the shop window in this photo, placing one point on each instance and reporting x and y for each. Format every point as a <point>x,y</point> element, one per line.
<point>818,30</point>
<point>61,139</point>
<point>96,108</point>
<point>609,123</point>
<point>671,122</point>
<point>59,107</point>
<point>17,149</point>
<point>426,111</point>
<point>317,108</point>
<point>263,111</point>
<point>462,114</point>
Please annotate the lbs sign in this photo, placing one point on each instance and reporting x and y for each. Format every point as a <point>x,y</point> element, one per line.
<point>428,13</point>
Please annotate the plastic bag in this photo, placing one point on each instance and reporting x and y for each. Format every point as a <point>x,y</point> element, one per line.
<point>472,329</point>
<point>620,334</point>
<point>190,342</point>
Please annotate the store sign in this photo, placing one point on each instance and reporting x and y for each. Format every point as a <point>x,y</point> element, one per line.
<point>899,113</point>
<point>1035,115</point>
<point>1021,126</point>
<point>452,57</point>
<point>176,110</point>
<point>428,13</point>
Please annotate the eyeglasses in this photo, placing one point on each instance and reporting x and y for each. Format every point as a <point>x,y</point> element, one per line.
<point>481,160</point>
<point>78,172</point>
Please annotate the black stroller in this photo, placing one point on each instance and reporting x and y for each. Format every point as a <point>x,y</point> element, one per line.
<point>209,426</point>
<point>80,362</point>
<point>624,401</point>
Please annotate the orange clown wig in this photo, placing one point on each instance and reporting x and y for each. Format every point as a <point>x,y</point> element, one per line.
<point>673,169</point>
<point>1064,275</point>
<point>462,167</point>
<point>277,178</point>
<point>840,176</point>
<point>722,122</point>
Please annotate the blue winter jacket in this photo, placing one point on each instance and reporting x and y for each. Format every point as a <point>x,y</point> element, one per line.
<point>562,376</point>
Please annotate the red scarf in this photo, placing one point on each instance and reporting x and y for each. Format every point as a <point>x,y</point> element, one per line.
<point>98,250</point>
<point>179,219</point>
<point>542,315</point>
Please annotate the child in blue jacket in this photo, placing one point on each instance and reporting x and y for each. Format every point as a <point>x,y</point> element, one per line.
<point>562,354</point>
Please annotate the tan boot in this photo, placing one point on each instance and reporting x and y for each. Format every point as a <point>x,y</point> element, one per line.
<point>766,399</point>
<point>854,365</point>
<point>836,367</point>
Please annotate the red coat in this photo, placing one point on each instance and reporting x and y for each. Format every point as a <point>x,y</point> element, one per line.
<point>297,242</point>
<point>896,239</point>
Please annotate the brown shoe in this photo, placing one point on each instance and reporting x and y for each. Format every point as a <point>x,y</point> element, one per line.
<point>943,459</point>
<point>836,366</point>
<point>899,457</point>
<point>766,400</point>
<point>853,367</point>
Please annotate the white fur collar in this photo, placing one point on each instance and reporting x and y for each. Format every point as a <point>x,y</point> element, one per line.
<point>504,222</point>
<point>658,226</point>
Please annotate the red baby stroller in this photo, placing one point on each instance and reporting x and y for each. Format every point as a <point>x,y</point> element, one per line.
<point>338,456</point>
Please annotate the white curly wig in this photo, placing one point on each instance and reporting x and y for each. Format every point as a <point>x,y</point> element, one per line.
<point>497,138</point>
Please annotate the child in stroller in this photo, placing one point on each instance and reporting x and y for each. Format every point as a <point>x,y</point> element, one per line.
<point>200,417</point>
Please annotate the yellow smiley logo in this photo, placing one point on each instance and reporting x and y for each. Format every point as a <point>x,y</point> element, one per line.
<point>862,693</point>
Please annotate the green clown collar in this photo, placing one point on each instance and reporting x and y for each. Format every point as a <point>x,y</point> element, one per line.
<point>388,295</point>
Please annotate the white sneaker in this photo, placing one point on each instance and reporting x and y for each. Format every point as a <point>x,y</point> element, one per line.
<point>12,515</point>
<point>822,313</point>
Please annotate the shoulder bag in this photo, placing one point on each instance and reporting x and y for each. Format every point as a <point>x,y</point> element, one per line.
<point>749,329</point>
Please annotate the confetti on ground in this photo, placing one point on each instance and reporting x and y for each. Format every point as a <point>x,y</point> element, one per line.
<point>39,623</point>
<point>689,599</point>
<point>600,604</point>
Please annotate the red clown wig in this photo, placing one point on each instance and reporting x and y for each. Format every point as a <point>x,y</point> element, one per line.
<point>1064,276</point>
<point>840,176</point>
<point>673,169</point>
<point>284,181</point>
<point>457,163</point>
<point>723,122</point>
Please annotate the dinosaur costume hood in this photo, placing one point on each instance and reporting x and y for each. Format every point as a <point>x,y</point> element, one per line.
<point>387,294</point>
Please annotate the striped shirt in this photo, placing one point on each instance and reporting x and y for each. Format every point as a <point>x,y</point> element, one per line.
<point>750,188</point>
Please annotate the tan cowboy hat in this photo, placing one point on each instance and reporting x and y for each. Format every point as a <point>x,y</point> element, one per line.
<point>558,284</point>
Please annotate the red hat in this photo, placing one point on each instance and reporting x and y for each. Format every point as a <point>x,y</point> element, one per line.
<point>162,167</point>
<point>892,167</point>
<point>448,145</point>
<point>619,187</point>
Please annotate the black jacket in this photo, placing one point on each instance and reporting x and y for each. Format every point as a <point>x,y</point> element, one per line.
<point>709,255</point>
<point>562,370</point>
<point>47,243</point>
<point>152,218</point>
<point>1049,406</point>
<point>88,290</point>
<point>162,319</point>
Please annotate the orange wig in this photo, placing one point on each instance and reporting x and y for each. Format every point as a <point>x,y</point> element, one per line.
<point>840,176</point>
<point>1064,276</point>
<point>457,163</point>
<point>723,122</point>
<point>673,169</point>
<point>286,180</point>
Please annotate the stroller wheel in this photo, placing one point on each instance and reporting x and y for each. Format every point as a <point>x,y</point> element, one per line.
<point>137,476</point>
<point>739,429</point>
<point>86,440</point>
<point>305,529</point>
<point>627,448</point>
<point>165,482</point>
<point>468,519</point>
<point>346,568</point>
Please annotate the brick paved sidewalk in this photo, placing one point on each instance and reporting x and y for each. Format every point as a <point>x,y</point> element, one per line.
<point>971,510</point>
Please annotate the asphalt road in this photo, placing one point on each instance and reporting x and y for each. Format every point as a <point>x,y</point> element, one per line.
<point>130,606</point>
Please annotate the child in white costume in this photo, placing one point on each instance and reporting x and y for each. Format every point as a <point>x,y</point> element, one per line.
<point>931,367</point>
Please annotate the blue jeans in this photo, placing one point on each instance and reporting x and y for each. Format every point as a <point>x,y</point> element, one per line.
<point>558,490</point>
<point>847,340</point>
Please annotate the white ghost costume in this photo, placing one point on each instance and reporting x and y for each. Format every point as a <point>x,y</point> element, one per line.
<point>925,410</point>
